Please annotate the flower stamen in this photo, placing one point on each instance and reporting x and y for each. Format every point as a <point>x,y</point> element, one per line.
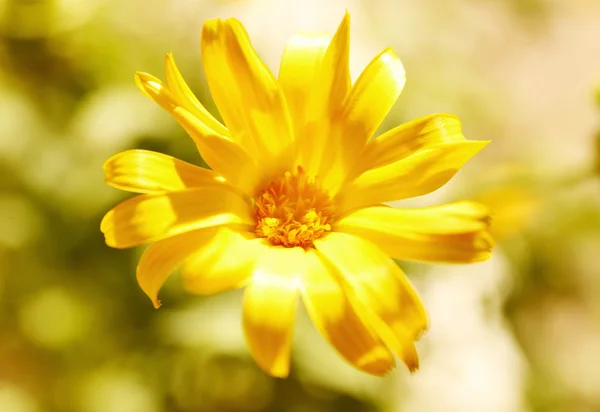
<point>293,211</point>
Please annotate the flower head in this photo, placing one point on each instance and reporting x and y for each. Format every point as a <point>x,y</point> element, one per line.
<point>293,206</point>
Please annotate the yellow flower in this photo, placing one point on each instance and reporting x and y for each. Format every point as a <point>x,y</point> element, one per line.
<point>293,204</point>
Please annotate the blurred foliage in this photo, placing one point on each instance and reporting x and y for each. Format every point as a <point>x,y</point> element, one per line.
<point>77,334</point>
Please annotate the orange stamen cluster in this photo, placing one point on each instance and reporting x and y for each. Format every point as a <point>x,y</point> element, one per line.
<point>293,211</point>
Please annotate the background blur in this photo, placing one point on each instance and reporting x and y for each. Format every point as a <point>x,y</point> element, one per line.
<point>520,332</point>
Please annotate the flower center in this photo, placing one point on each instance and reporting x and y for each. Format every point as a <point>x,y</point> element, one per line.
<point>293,211</point>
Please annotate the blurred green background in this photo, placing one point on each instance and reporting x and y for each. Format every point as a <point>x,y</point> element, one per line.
<point>520,332</point>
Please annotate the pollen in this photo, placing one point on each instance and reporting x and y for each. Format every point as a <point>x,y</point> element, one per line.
<point>293,211</point>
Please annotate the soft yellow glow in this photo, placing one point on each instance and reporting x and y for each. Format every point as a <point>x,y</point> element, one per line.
<point>16,399</point>
<point>117,390</point>
<point>54,318</point>
<point>19,221</point>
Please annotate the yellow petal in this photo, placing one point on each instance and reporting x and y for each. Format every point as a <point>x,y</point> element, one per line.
<point>225,262</point>
<point>372,96</point>
<point>143,171</point>
<point>452,218</point>
<point>188,100</point>
<point>404,140</point>
<point>452,233</point>
<point>155,89</point>
<point>330,89</point>
<point>270,307</point>
<point>334,316</point>
<point>160,259</point>
<point>421,173</point>
<point>370,100</point>
<point>223,155</point>
<point>246,92</point>
<point>388,299</point>
<point>333,77</point>
<point>150,217</point>
<point>140,84</point>
<point>297,72</point>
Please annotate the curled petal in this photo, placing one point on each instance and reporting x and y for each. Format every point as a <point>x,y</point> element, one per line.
<point>143,171</point>
<point>370,100</point>
<point>373,95</point>
<point>384,293</point>
<point>151,217</point>
<point>226,261</point>
<point>188,100</point>
<point>404,140</point>
<point>160,259</point>
<point>452,233</point>
<point>336,318</point>
<point>245,91</point>
<point>222,154</point>
<point>423,172</point>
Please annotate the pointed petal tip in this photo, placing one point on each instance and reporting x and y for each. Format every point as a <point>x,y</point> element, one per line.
<point>410,357</point>
<point>345,23</point>
<point>482,257</point>
<point>111,241</point>
<point>344,26</point>
<point>149,85</point>
<point>153,295</point>
<point>210,28</point>
<point>277,372</point>
<point>170,66</point>
<point>139,76</point>
<point>378,362</point>
<point>148,289</point>
<point>390,59</point>
<point>475,144</point>
<point>412,363</point>
<point>169,63</point>
<point>420,332</point>
<point>145,79</point>
<point>107,165</point>
<point>105,222</point>
<point>140,85</point>
<point>277,368</point>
